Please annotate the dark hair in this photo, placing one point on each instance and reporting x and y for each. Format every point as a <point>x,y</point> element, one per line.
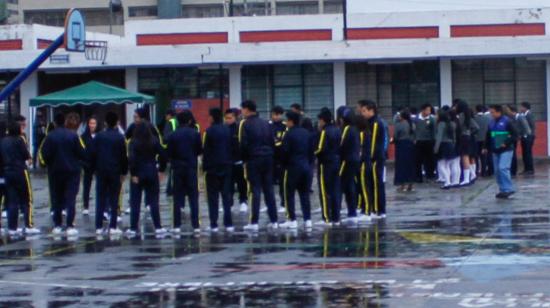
<point>405,114</point>
<point>497,108</point>
<point>87,129</point>
<point>307,124</point>
<point>277,110</point>
<point>325,114</point>
<point>526,105</point>
<point>370,105</point>
<point>512,108</point>
<point>412,110</point>
<point>143,138</point>
<point>346,115</point>
<point>19,118</point>
<point>480,108</point>
<point>424,106</point>
<point>296,106</point>
<point>14,129</point>
<point>72,121</point>
<point>443,116</point>
<point>233,111</point>
<point>171,112</point>
<point>463,108</point>
<point>185,118</point>
<point>249,104</point>
<point>216,114</point>
<point>59,120</point>
<point>111,119</point>
<point>141,112</point>
<point>294,117</point>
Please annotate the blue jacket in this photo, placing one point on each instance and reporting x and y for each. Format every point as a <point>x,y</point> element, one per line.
<point>108,153</point>
<point>501,135</point>
<point>142,163</point>
<point>14,154</point>
<point>63,151</point>
<point>328,146</point>
<point>297,148</point>
<point>255,138</point>
<point>373,145</point>
<point>216,144</point>
<point>350,144</point>
<point>183,147</point>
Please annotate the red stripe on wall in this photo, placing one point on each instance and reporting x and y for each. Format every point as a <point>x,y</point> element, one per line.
<point>11,44</point>
<point>393,33</point>
<point>498,30</point>
<point>182,38</point>
<point>285,36</point>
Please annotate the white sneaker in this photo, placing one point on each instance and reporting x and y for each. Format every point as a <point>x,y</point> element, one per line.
<point>308,224</point>
<point>374,216</point>
<point>175,230</point>
<point>212,230</point>
<point>31,231</point>
<point>12,232</point>
<point>119,219</point>
<point>336,224</point>
<point>350,220</point>
<point>64,213</point>
<point>4,214</point>
<point>99,232</point>
<point>85,212</point>
<point>263,210</point>
<point>317,210</point>
<point>127,211</point>
<point>57,231</point>
<point>197,230</point>
<point>243,208</point>
<point>116,231</point>
<point>160,231</point>
<point>273,226</point>
<point>229,229</point>
<point>382,216</point>
<point>251,227</point>
<point>130,233</point>
<point>322,223</point>
<point>281,210</point>
<point>363,218</point>
<point>71,231</point>
<point>289,225</point>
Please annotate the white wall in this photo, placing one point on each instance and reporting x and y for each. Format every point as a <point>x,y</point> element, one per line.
<point>364,6</point>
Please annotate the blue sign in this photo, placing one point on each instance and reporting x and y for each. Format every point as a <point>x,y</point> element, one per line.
<point>181,104</point>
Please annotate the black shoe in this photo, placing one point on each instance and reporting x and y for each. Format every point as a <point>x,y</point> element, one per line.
<point>501,195</point>
<point>528,173</point>
<point>510,193</point>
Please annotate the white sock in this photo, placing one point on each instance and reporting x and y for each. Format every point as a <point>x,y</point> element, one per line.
<point>473,174</point>
<point>444,171</point>
<point>455,171</point>
<point>466,178</point>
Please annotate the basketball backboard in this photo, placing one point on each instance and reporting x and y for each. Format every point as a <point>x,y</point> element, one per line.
<point>75,31</point>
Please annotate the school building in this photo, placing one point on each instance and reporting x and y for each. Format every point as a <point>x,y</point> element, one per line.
<point>399,58</point>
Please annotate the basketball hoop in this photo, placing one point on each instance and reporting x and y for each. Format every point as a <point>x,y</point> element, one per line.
<point>95,50</point>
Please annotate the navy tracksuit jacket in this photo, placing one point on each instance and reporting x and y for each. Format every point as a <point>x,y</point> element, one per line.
<point>349,167</point>
<point>328,155</point>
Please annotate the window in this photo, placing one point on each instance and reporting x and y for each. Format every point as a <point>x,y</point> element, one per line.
<point>13,1</point>
<point>394,85</point>
<point>501,81</point>
<point>251,8</point>
<point>333,7</point>
<point>93,17</point>
<point>297,8</point>
<point>142,11</point>
<point>202,11</point>
<point>310,85</point>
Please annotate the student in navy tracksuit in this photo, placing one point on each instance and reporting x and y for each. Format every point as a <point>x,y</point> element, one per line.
<point>216,164</point>
<point>183,148</point>
<point>373,159</point>
<point>108,158</point>
<point>297,155</point>
<point>328,155</point>
<point>278,127</point>
<point>257,147</point>
<point>144,154</point>
<point>87,138</point>
<point>237,170</point>
<point>351,160</point>
<point>63,154</point>
<point>15,155</point>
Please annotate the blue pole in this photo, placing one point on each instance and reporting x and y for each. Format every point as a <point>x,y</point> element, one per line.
<point>24,74</point>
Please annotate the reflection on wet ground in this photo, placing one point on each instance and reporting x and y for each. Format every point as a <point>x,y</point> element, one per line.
<point>436,249</point>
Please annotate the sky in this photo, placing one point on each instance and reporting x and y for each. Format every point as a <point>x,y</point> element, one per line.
<point>369,6</point>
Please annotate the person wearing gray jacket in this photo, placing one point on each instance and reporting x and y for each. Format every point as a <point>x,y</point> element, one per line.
<point>528,141</point>
<point>484,161</point>
<point>425,138</point>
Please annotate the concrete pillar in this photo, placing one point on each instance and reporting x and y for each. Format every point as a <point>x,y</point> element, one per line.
<point>273,7</point>
<point>28,90</point>
<point>131,85</point>
<point>235,86</point>
<point>446,80</point>
<point>547,105</point>
<point>339,82</point>
<point>321,6</point>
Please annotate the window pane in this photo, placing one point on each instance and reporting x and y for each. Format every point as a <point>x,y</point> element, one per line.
<point>297,8</point>
<point>499,69</point>
<point>499,92</point>
<point>468,81</point>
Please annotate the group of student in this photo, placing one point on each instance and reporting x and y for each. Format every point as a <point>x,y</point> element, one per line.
<point>240,149</point>
<point>251,153</point>
<point>457,145</point>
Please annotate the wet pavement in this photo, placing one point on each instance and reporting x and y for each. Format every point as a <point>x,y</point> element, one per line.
<point>458,248</point>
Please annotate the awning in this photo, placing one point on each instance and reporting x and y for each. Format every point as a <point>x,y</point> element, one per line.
<point>92,92</point>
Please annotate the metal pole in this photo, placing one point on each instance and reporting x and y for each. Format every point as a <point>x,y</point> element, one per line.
<point>345,13</point>
<point>110,17</point>
<point>24,74</point>
<point>220,76</point>
<point>231,8</point>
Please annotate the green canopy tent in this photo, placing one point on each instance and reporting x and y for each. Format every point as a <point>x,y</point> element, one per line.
<point>89,93</point>
<point>92,92</point>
